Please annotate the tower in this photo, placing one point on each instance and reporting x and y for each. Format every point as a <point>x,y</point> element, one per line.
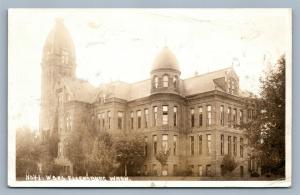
<point>58,61</point>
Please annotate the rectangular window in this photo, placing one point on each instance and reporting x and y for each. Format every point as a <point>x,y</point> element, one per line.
<point>250,114</point>
<point>222,144</point>
<point>208,120</point>
<point>131,119</point>
<point>192,117</point>
<point>155,115</point>
<point>103,120</point>
<point>146,116</point>
<point>200,116</point>
<point>229,116</point>
<point>175,170</point>
<point>192,145</point>
<point>120,120</point>
<point>241,147</point>
<point>69,121</point>
<point>99,121</point>
<point>139,119</point>
<point>146,146</point>
<point>208,170</point>
<point>109,119</point>
<point>165,115</point>
<point>200,170</point>
<point>229,145</point>
<point>175,116</point>
<point>234,146</point>
<point>234,117</point>
<point>154,144</point>
<point>208,138</point>
<point>175,138</point>
<point>241,116</point>
<point>200,145</point>
<point>165,143</point>
<point>222,115</point>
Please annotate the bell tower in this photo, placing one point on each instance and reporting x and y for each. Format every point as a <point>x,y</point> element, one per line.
<point>58,61</point>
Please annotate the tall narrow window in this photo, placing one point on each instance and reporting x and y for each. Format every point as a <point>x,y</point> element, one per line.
<point>155,82</point>
<point>69,121</point>
<point>165,143</point>
<point>229,116</point>
<point>250,114</point>
<point>165,81</point>
<point>200,116</point>
<point>175,145</point>
<point>200,145</point>
<point>229,145</point>
<point>175,116</point>
<point>120,120</point>
<point>154,144</point>
<point>222,144</point>
<point>165,115</point>
<point>146,146</point>
<point>208,138</point>
<point>109,119</point>
<point>175,81</point>
<point>155,115</point>
<point>131,120</point>
<point>103,120</point>
<point>192,117</point>
<point>200,170</point>
<point>146,116</point>
<point>99,121</point>
<point>234,146</point>
<point>241,147</point>
<point>139,119</point>
<point>241,116</point>
<point>222,115</point>
<point>234,117</point>
<point>192,145</point>
<point>208,170</point>
<point>208,120</point>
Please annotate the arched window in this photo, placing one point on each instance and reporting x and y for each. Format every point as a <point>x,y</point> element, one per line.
<point>155,82</point>
<point>165,81</point>
<point>175,80</point>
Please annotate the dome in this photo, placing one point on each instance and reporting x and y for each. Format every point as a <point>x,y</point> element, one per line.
<point>59,39</point>
<point>165,60</point>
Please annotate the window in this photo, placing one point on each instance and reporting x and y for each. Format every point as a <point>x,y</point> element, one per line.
<point>146,146</point>
<point>69,121</point>
<point>241,171</point>
<point>208,138</point>
<point>165,143</point>
<point>99,121</point>
<point>222,144</point>
<point>222,170</point>
<point>229,145</point>
<point>200,170</point>
<point>229,116</point>
<point>200,145</point>
<point>155,82</point>
<point>165,115</point>
<point>208,121</point>
<point>103,120</point>
<point>175,115</point>
<point>234,146</point>
<point>146,116</point>
<point>192,145</point>
<point>120,120</point>
<point>154,144</point>
<point>139,119</point>
<point>208,170</point>
<point>200,116</point>
<point>131,120</point>
<point>192,117</point>
<point>175,169</point>
<point>155,115</point>
<point>250,114</point>
<point>234,117</point>
<point>165,81</point>
<point>222,115</point>
<point>175,81</point>
<point>109,118</point>
<point>241,147</point>
<point>241,116</point>
<point>175,138</point>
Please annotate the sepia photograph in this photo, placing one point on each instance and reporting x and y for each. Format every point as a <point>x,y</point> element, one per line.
<point>150,97</point>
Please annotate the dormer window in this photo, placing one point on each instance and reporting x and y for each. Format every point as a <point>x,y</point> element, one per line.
<point>155,82</point>
<point>165,81</point>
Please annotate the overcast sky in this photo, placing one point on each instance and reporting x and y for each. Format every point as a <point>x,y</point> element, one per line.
<point>121,44</point>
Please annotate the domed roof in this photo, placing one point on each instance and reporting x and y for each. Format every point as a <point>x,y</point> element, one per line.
<point>165,60</point>
<point>59,39</point>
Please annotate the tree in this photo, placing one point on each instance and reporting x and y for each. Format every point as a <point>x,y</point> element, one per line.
<point>130,152</point>
<point>266,132</point>
<point>162,157</point>
<point>102,159</point>
<point>229,164</point>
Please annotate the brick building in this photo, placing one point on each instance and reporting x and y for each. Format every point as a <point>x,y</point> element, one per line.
<point>196,118</point>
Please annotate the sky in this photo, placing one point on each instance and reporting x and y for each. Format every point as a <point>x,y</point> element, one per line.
<point>121,44</point>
